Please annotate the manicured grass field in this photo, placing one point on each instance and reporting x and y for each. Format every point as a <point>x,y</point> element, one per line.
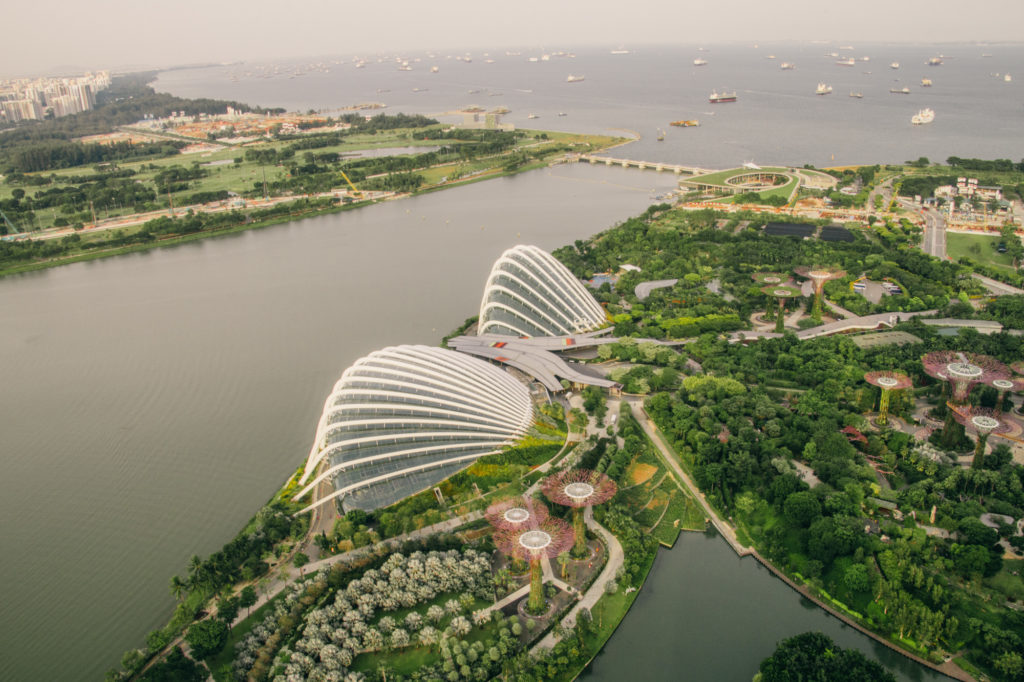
<point>977,247</point>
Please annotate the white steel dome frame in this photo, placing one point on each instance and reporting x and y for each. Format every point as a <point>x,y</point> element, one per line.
<point>427,407</point>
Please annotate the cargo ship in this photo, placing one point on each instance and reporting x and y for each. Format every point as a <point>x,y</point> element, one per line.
<point>846,62</point>
<point>823,89</point>
<point>926,82</point>
<point>573,79</point>
<point>685,123</point>
<point>899,91</point>
<point>700,62</point>
<point>719,98</point>
<point>935,61</point>
<point>787,66</point>
<point>922,117</point>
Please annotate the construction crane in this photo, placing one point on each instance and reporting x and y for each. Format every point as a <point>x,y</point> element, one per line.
<point>355,193</point>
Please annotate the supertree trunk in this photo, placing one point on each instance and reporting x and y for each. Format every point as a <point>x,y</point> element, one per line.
<point>883,408</point>
<point>780,323</point>
<point>579,549</point>
<point>816,306</point>
<point>536,601</point>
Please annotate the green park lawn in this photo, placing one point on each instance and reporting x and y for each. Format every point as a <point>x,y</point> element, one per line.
<point>977,247</point>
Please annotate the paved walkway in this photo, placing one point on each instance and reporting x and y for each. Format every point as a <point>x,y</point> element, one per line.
<point>670,459</point>
<point>611,568</point>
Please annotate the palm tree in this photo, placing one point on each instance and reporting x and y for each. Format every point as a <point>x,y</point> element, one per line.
<point>563,562</point>
<point>177,586</point>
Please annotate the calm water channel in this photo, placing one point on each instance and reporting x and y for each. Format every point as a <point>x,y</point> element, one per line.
<point>152,402</point>
<point>705,614</point>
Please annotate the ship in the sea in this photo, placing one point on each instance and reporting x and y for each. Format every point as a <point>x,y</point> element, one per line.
<point>926,82</point>
<point>935,61</point>
<point>719,98</point>
<point>1007,78</point>
<point>924,116</point>
<point>823,89</point>
<point>857,95</point>
<point>573,79</point>
<point>787,66</point>
<point>899,91</point>
<point>685,123</point>
<point>894,65</point>
<point>700,62</point>
<point>850,61</point>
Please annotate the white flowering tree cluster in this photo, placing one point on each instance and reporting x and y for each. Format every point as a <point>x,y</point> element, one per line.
<point>336,633</point>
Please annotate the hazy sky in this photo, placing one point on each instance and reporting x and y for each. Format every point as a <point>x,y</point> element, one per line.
<point>43,36</point>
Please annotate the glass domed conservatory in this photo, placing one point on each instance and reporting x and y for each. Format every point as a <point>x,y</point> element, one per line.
<point>405,418</point>
<point>529,293</point>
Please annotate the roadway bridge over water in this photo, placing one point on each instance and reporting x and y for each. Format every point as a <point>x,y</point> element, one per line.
<point>659,166</point>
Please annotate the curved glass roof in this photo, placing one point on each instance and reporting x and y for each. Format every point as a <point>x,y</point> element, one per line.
<point>529,293</point>
<point>406,417</point>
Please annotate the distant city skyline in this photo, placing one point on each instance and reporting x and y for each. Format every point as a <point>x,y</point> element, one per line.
<point>52,37</point>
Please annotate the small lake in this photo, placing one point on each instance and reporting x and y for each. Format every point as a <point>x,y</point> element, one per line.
<point>705,614</point>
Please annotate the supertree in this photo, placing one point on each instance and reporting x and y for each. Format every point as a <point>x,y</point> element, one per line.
<point>515,513</point>
<point>781,292</point>
<point>888,381</point>
<point>819,276</point>
<point>579,488</point>
<point>1005,386</point>
<point>984,422</point>
<point>547,539</point>
<point>764,279</point>
<point>963,371</point>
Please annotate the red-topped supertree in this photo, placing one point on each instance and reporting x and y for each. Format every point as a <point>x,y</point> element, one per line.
<point>1005,386</point>
<point>781,292</point>
<point>888,381</point>
<point>819,276</point>
<point>579,488</point>
<point>963,371</point>
<point>984,422</point>
<point>515,513</point>
<point>547,539</point>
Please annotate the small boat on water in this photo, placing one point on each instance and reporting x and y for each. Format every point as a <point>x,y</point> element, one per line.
<point>533,116</point>
<point>719,98</point>
<point>700,62</point>
<point>574,79</point>
<point>935,61</point>
<point>434,69</point>
<point>1007,78</point>
<point>922,117</point>
<point>685,123</point>
<point>894,65</point>
<point>926,82</point>
<point>561,113</point>
<point>787,66</point>
<point>661,135</point>
<point>823,89</point>
<point>857,95</point>
<point>850,61</point>
<point>899,91</point>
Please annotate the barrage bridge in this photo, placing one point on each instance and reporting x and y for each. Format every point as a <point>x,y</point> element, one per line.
<point>659,166</point>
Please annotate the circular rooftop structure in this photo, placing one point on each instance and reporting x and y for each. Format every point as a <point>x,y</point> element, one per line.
<point>529,293</point>
<point>404,418</point>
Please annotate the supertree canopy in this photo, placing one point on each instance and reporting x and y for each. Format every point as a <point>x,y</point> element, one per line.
<point>963,371</point>
<point>547,539</point>
<point>781,292</point>
<point>579,488</point>
<point>769,278</point>
<point>984,422</point>
<point>1005,386</point>
<point>516,513</point>
<point>819,276</point>
<point>888,381</point>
